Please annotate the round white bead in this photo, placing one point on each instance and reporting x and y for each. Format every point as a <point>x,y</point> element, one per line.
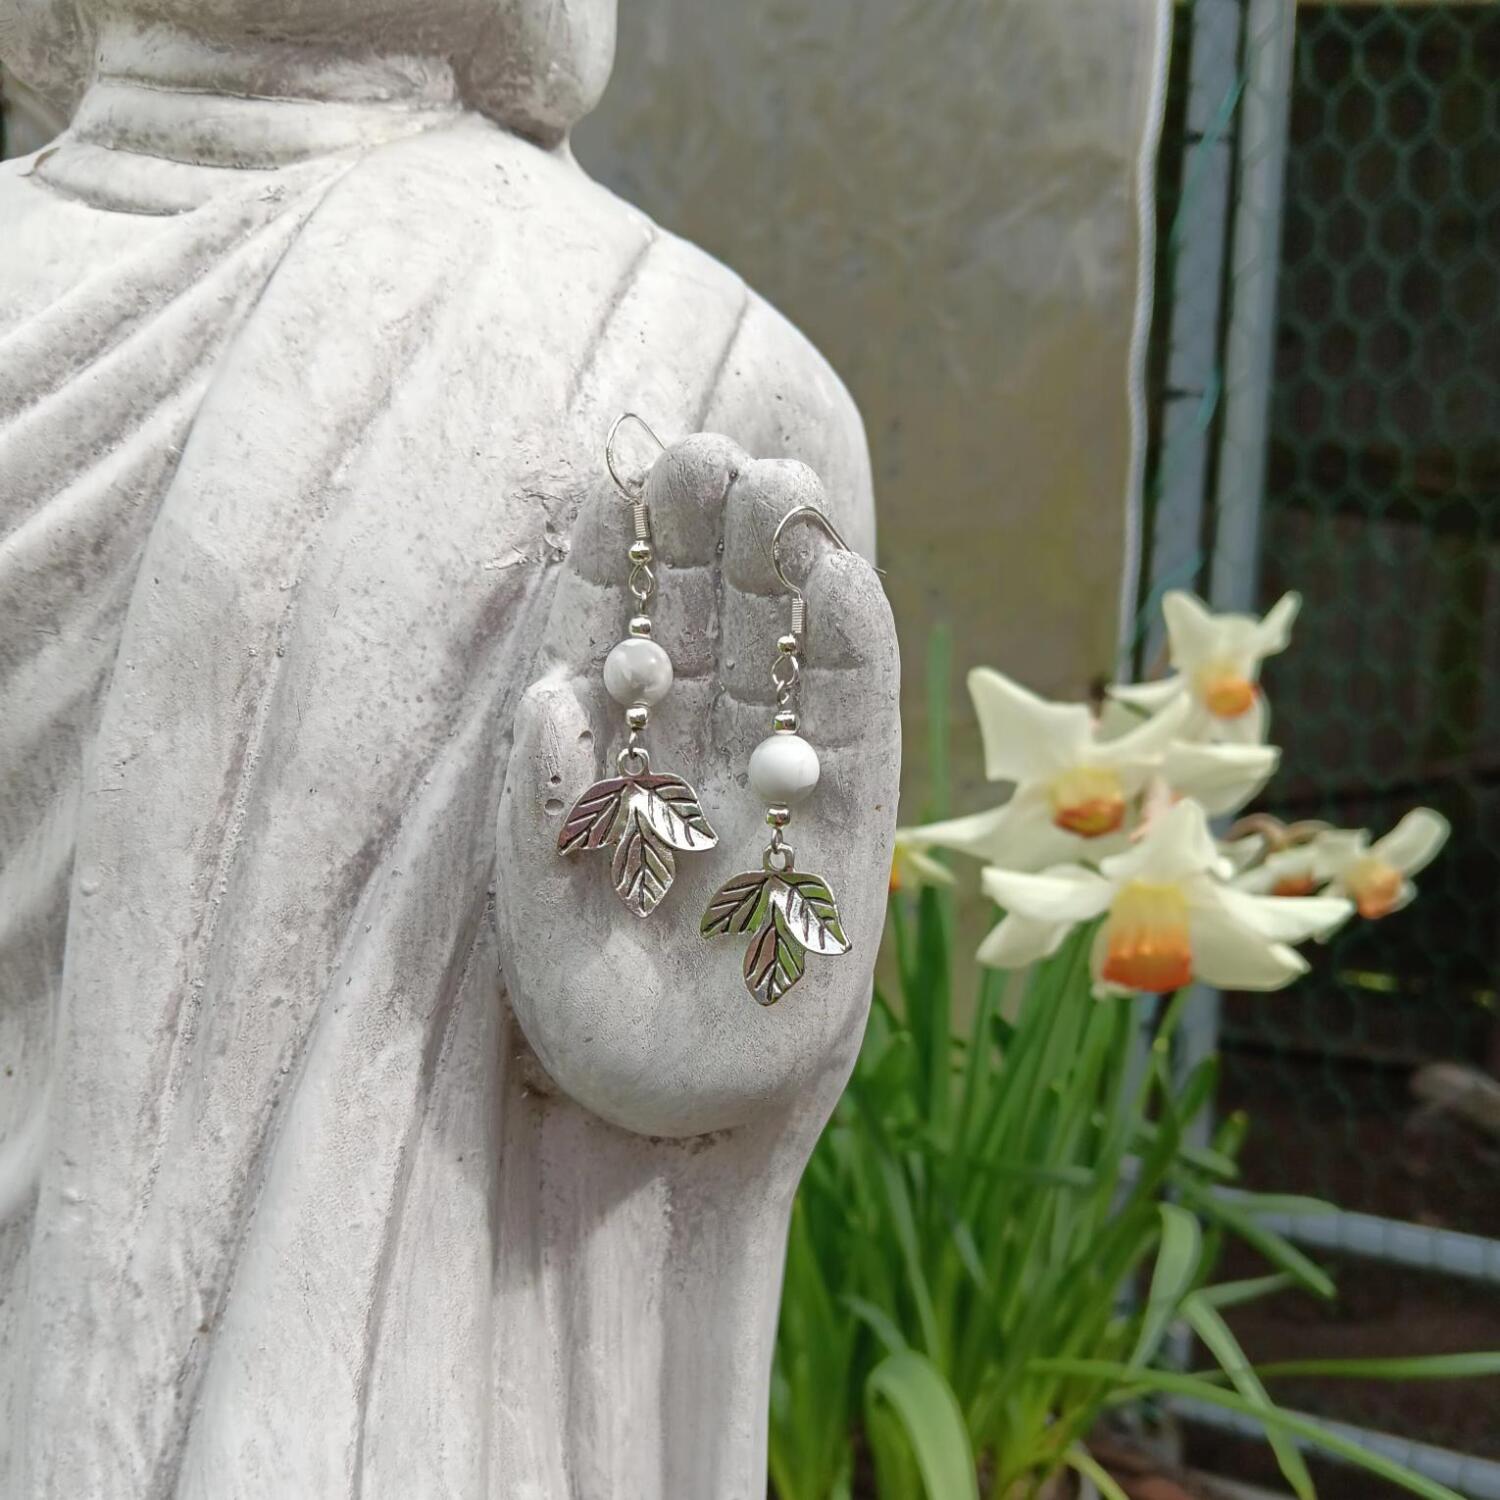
<point>784,768</point>
<point>637,671</point>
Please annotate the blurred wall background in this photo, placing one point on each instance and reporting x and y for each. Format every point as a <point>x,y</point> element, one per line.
<point>943,196</point>
<point>26,121</point>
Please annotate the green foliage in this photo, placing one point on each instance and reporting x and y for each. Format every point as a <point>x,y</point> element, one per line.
<point>998,1230</point>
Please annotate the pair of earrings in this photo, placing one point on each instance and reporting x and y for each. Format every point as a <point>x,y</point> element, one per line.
<point>647,818</point>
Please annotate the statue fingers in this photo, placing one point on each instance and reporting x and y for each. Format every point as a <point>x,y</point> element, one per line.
<point>558,754</point>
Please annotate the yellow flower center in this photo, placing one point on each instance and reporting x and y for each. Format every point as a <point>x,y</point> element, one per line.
<point>1374,886</point>
<point>1225,692</point>
<point>1146,939</point>
<point>1088,800</point>
<point>1301,883</point>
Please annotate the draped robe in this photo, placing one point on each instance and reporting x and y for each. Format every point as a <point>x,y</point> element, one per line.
<point>284,487</point>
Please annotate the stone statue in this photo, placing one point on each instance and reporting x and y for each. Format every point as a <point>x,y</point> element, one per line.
<point>347,1146</point>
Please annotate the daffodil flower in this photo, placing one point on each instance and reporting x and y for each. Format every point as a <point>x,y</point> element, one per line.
<point>1216,661</point>
<point>1170,916</point>
<point>1377,877</point>
<point>1076,777</point>
<point>1072,788</point>
<point>1298,871</point>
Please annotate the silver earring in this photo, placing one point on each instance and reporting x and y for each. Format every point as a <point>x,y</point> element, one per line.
<point>788,913</point>
<point>643,817</point>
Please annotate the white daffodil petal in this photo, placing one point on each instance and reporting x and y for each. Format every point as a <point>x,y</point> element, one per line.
<point>1019,834</point>
<point>973,834</point>
<point>1335,850</point>
<point>1117,718</point>
<point>1149,696</point>
<point>1297,867</point>
<point>1147,743</point>
<point>1017,941</point>
<point>1222,777</point>
<point>1025,737</point>
<point>1248,728</point>
<point>1259,881</point>
<point>1285,919</point>
<point>1274,632</point>
<point>1242,852</point>
<point>1067,893</point>
<point>1232,957</point>
<point>1177,845</point>
<point>912,867</point>
<point>1414,842</point>
<point>1193,633</point>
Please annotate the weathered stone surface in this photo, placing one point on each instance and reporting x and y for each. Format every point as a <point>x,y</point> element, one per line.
<point>346,1147</point>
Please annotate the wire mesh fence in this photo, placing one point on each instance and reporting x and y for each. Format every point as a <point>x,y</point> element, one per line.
<point>1378,435</point>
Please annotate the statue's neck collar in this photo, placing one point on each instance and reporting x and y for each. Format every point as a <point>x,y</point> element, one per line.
<point>207,109</point>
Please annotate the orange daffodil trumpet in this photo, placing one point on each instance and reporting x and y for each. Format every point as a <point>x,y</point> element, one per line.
<point>1216,661</point>
<point>1170,916</point>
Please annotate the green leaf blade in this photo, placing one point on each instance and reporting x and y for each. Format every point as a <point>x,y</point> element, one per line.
<point>931,1421</point>
<point>1220,1341</point>
<point>1172,1277</point>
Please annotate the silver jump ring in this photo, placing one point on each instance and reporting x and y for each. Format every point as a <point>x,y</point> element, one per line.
<point>642,582</point>
<point>780,858</point>
<point>633,760</point>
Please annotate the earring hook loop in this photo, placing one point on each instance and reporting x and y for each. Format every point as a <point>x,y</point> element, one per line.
<point>802,513</point>
<point>633,494</point>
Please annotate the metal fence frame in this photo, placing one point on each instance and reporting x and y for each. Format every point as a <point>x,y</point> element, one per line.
<point>1211,474</point>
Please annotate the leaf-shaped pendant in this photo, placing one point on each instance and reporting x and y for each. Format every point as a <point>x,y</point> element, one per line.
<point>774,961</point>
<point>789,915</point>
<point>812,915</point>
<point>643,867</point>
<point>644,818</point>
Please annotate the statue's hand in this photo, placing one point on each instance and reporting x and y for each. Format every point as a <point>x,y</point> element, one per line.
<point>643,1020</point>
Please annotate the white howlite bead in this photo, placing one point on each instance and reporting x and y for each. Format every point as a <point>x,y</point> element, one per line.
<point>637,671</point>
<point>783,768</point>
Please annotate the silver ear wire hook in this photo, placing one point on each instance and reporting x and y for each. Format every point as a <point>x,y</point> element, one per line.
<point>642,579</point>
<point>801,513</point>
<point>817,517</point>
<point>631,494</point>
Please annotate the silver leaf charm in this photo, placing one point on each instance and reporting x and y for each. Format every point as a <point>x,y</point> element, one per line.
<point>774,961</point>
<point>643,867</point>
<point>790,916</point>
<point>643,818</point>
